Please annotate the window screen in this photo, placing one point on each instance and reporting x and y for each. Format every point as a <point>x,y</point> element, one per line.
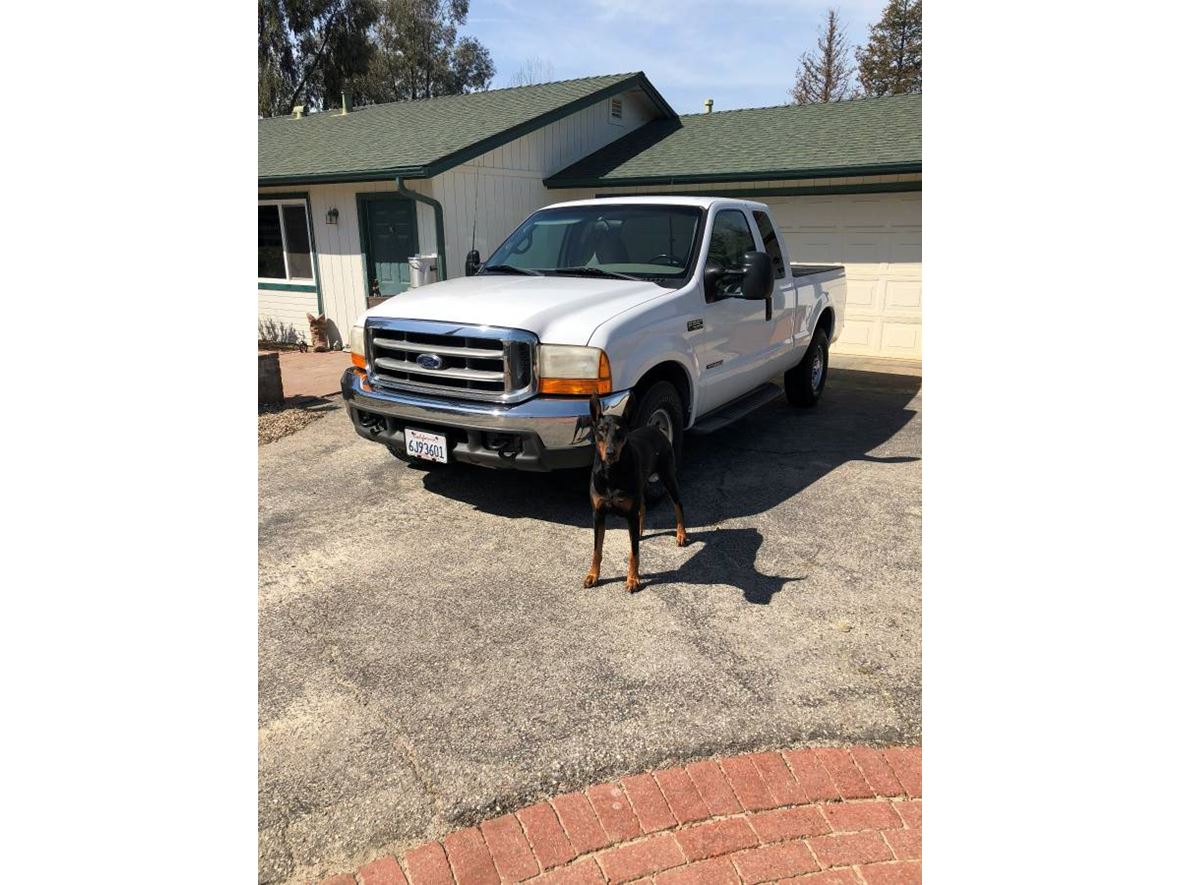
<point>298,245</point>
<point>770,241</point>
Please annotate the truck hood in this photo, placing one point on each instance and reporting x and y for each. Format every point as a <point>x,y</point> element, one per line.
<point>559,310</point>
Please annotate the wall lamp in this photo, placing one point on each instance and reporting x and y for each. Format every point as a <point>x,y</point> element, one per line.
<point>333,215</point>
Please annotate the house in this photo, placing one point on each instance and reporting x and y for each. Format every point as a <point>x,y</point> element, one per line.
<point>347,196</point>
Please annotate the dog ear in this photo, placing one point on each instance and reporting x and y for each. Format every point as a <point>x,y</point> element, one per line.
<point>311,318</point>
<point>595,408</point>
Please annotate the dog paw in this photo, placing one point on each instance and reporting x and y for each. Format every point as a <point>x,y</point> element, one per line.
<point>591,580</point>
<point>681,539</point>
<point>632,584</point>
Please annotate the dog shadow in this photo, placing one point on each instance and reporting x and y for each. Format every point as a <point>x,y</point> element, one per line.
<point>722,557</point>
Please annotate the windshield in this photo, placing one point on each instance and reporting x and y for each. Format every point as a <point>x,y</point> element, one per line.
<point>654,243</point>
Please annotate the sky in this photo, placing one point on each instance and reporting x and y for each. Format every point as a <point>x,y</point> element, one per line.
<point>740,53</point>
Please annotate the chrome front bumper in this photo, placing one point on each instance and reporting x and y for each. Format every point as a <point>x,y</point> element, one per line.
<point>553,431</point>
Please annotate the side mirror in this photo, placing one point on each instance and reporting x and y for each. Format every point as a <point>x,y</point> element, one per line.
<point>713,275</point>
<point>757,276</point>
<point>472,263</point>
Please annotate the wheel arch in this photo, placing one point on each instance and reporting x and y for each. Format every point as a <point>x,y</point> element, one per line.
<point>674,372</point>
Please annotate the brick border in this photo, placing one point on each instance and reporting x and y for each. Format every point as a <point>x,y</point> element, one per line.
<point>823,816</point>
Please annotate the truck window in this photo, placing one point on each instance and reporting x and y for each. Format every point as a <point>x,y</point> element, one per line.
<point>731,239</point>
<point>770,242</point>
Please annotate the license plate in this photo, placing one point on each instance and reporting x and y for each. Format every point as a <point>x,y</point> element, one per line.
<point>427,446</point>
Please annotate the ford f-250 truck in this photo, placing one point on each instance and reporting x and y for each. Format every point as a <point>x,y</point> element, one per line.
<point>686,305</point>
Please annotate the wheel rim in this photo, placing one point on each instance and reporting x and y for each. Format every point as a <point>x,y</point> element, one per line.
<point>662,421</point>
<point>817,370</point>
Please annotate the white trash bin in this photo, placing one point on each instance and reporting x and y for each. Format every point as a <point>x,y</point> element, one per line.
<point>423,269</point>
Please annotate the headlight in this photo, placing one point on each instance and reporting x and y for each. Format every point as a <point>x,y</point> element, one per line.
<point>564,368</point>
<point>356,343</point>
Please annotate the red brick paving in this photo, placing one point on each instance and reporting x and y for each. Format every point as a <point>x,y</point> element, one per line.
<point>312,375</point>
<point>828,816</point>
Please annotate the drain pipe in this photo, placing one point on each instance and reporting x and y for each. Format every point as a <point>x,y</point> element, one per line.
<point>440,239</point>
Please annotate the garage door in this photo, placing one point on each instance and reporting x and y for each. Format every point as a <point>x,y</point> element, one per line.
<point>878,239</point>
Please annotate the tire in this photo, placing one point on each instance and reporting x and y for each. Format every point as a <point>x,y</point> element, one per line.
<point>805,383</point>
<point>660,405</point>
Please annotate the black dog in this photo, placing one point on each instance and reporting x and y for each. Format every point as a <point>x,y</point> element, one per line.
<point>623,461</point>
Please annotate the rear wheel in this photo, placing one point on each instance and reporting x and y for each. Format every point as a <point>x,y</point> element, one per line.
<point>660,407</point>
<point>805,382</point>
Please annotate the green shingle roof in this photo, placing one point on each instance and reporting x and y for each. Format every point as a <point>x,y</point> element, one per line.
<point>869,136</point>
<point>418,139</point>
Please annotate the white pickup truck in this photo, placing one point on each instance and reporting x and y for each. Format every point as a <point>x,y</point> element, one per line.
<point>689,305</point>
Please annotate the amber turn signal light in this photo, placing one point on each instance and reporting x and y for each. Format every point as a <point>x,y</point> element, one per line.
<point>358,359</point>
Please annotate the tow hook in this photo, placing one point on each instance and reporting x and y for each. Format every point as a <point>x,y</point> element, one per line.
<point>509,449</point>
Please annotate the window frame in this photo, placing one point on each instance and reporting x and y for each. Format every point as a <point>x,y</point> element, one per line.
<point>280,202</point>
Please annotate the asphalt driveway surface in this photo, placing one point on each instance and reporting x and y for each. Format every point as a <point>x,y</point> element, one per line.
<point>428,657</point>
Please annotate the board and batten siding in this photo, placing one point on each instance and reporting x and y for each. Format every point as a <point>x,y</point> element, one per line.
<point>508,180</point>
<point>501,188</point>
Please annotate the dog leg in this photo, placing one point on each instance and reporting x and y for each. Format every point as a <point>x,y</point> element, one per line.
<point>596,560</point>
<point>642,513</point>
<point>667,473</point>
<point>633,562</point>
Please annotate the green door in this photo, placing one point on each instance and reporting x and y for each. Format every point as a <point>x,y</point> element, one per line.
<point>391,238</point>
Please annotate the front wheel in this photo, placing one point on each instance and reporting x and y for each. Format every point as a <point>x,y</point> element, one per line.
<point>660,407</point>
<point>805,382</point>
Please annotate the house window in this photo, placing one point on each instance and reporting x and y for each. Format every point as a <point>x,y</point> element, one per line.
<point>284,241</point>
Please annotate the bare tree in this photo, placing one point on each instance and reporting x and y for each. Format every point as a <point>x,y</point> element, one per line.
<point>825,73</point>
<point>532,71</point>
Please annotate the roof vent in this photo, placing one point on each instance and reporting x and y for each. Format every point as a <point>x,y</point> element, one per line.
<point>297,112</point>
<point>708,105</point>
<point>345,102</point>
<point>616,108</point>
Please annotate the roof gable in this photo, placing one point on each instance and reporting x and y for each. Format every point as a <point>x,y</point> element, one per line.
<point>867,136</point>
<point>419,139</point>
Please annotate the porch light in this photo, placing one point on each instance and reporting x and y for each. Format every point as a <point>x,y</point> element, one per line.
<point>333,214</point>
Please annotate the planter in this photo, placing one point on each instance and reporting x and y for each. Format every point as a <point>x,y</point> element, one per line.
<point>270,380</point>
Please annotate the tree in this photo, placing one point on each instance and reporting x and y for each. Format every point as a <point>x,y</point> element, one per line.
<point>308,50</point>
<point>824,73</point>
<point>891,64</point>
<point>418,53</point>
<point>532,71</point>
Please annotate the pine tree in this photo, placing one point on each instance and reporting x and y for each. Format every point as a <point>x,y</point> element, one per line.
<point>824,73</point>
<point>891,63</point>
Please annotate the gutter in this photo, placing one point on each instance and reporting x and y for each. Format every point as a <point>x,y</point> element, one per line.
<point>439,237</point>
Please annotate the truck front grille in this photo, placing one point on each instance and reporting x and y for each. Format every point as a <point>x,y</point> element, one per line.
<point>465,362</point>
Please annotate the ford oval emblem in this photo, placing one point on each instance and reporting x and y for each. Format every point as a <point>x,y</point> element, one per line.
<point>429,361</point>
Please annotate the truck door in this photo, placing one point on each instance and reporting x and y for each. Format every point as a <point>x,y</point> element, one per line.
<point>735,348</point>
<point>786,296</point>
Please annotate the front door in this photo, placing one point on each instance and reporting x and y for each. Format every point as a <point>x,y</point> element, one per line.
<point>391,237</point>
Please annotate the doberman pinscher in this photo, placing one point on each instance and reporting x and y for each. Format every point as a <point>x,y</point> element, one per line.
<point>623,461</point>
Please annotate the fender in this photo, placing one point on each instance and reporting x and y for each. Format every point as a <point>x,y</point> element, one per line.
<point>635,370</point>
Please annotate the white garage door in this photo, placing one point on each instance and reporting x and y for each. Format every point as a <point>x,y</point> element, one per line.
<point>878,239</point>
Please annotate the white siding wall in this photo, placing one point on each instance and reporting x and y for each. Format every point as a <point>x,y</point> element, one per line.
<point>509,183</point>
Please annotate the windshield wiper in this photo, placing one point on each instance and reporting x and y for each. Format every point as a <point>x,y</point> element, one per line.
<point>595,272</point>
<point>508,268</point>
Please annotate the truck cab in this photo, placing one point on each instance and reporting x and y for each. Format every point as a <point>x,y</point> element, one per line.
<point>686,308</point>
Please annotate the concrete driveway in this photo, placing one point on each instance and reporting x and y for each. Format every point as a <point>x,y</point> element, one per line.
<point>428,657</point>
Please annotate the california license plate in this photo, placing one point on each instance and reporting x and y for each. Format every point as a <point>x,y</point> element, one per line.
<point>427,446</point>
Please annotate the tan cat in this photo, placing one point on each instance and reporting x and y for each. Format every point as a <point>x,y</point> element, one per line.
<point>319,332</point>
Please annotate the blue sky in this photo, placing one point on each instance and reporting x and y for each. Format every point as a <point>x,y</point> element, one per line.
<point>740,53</point>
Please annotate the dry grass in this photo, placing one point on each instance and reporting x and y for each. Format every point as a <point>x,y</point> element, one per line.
<point>275,422</point>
